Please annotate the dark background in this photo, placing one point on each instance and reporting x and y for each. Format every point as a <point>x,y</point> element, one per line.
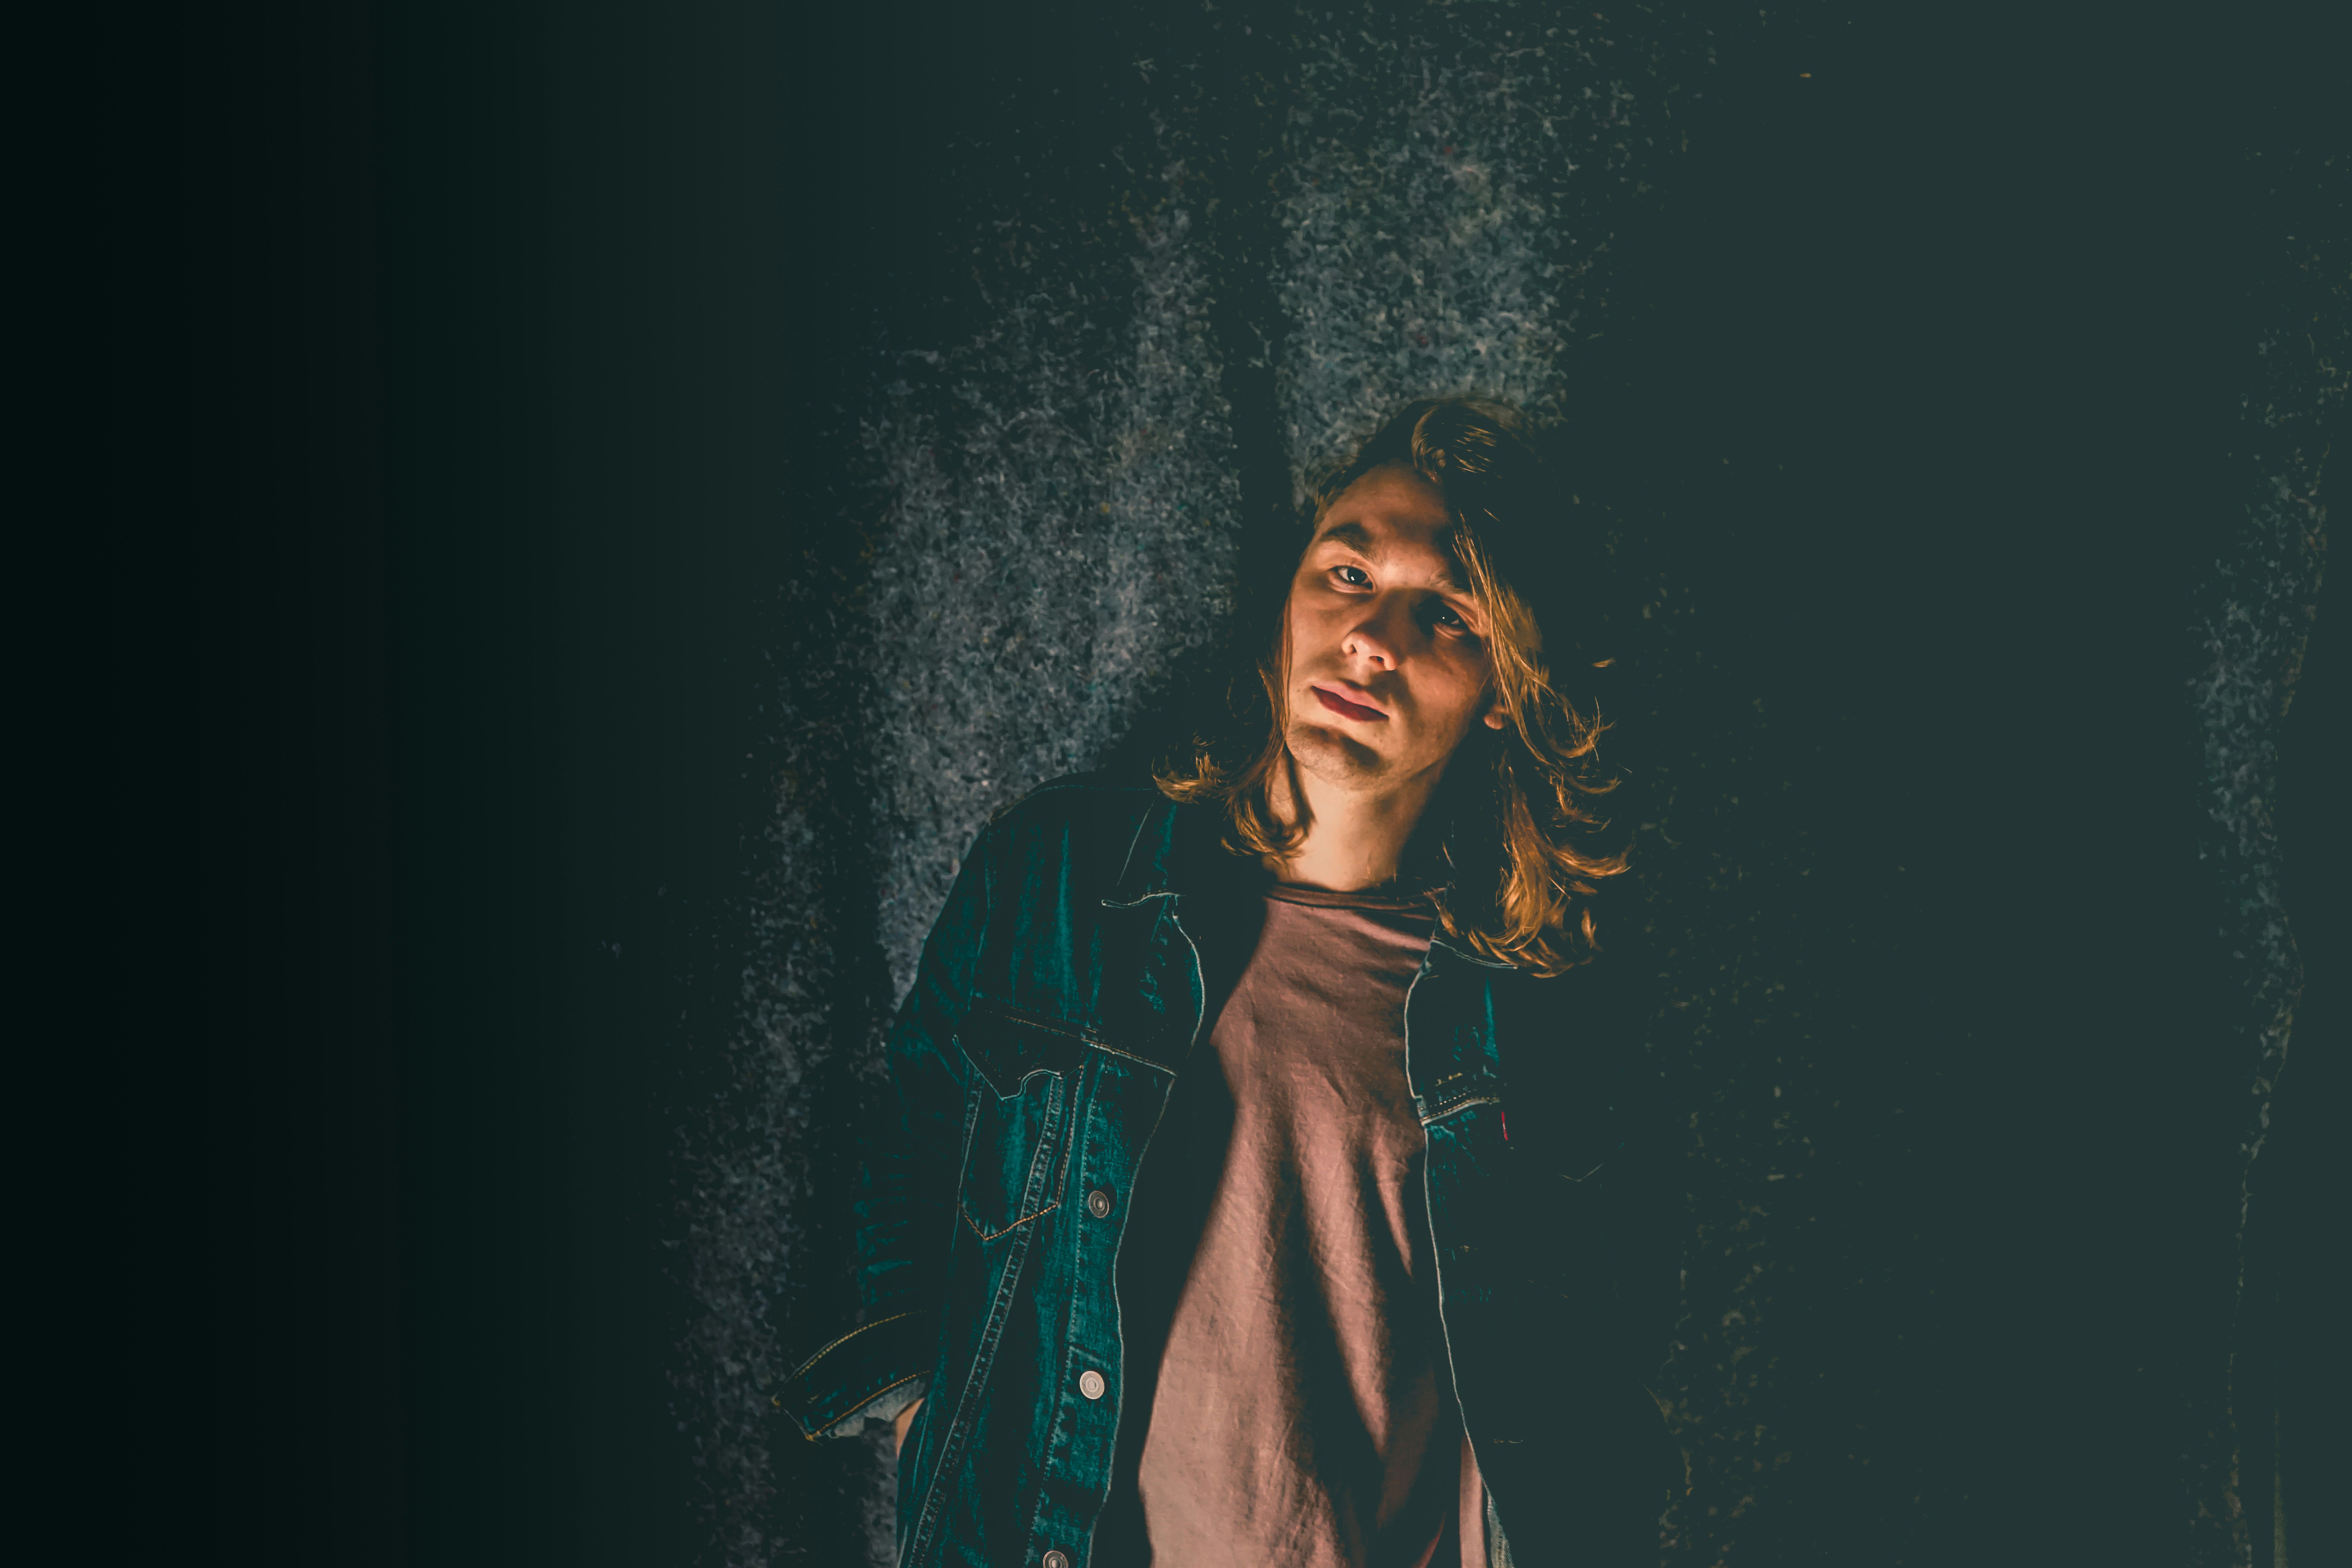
<point>512,398</point>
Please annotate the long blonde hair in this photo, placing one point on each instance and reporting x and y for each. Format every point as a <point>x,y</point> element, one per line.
<point>1515,865</point>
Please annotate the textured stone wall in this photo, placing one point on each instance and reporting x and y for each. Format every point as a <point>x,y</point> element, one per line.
<point>2258,604</point>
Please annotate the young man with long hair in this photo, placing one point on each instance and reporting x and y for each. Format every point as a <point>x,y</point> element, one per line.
<point>1249,1197</point>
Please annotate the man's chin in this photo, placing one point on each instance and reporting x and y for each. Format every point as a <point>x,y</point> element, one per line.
<point>1329,753</point>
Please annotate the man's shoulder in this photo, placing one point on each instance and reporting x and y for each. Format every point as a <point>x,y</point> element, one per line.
<point>1103,796</point>
<point>1088,820</point>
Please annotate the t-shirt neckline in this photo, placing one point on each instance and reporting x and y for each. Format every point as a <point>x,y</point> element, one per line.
<point>1326,897</point>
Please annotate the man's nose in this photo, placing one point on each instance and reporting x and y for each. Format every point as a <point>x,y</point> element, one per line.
<point>1375,638</point>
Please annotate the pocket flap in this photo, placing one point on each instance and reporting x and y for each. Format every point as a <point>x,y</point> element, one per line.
<point>1006,1045</point>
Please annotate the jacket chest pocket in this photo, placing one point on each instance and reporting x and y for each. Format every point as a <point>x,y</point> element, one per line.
<point>1024,1076</point>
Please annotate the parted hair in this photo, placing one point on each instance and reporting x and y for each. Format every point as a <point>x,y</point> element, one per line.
<point>1510,847</point>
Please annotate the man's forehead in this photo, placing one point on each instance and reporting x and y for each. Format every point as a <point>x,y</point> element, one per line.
<point>1393,487</point>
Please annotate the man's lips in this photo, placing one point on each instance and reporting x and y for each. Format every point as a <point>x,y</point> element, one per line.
<point>1347,710</point>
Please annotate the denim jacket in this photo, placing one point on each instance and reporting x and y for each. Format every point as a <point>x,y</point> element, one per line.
<point>1057,1000</point>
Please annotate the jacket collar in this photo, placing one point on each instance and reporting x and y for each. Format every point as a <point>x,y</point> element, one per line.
<point>1465,955</point>
<point>1181,846</point>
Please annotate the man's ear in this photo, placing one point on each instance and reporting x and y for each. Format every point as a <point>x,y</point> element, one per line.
<point>1495,719</point>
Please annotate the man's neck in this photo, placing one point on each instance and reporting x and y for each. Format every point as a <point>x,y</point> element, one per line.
<point>1355,838</point>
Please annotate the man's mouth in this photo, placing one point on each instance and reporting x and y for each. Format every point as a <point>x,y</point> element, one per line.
<point>1347,710</point>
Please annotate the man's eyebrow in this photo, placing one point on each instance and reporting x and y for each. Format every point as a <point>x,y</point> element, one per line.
<point>1359,538</point>
<point>1356,537</point>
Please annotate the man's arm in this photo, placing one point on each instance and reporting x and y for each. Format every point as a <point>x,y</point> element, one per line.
<point>905,1206</point>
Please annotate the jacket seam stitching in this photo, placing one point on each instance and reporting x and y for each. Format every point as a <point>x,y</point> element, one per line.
<point>1023,1016</point>
<point>844,1339</point>
<point>964,1216</point>
<point>1131,1056</point>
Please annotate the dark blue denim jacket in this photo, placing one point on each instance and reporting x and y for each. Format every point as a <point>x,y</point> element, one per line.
<point>1057,1001</point>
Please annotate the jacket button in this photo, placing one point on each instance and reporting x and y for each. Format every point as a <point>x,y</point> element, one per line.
<point>1090,1383</point>
<point>1098,1204</point>
<point>1056,1560</point>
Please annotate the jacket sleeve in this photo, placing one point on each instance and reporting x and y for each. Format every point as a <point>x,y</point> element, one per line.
<point>905,1208</point>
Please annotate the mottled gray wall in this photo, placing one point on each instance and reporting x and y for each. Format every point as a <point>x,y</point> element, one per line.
<point>2257,608</point>
<point>1276,224</point>
<point>1056,536</point>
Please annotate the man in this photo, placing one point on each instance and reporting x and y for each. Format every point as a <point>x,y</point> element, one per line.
<point>1245,1202</point>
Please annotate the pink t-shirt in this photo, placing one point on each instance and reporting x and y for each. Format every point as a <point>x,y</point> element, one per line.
<point>1303,1413</point>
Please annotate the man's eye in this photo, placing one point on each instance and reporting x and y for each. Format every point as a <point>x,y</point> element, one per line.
<point>1443,617</point>
<point>1353,576</point>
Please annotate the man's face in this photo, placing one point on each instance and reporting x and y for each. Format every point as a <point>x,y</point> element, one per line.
<point>1388,658</point>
